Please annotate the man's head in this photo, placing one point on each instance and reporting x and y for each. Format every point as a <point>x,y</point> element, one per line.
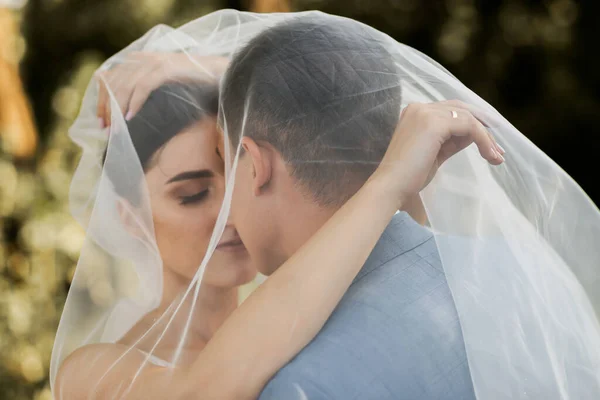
<point>314,102</point>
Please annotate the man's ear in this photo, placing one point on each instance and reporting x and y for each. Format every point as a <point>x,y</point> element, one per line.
<point>261,159</point>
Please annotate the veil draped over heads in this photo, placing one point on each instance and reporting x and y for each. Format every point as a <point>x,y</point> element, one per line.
<point>518,242</point>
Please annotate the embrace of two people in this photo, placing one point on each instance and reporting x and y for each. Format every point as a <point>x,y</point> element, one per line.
<point>303,156</point>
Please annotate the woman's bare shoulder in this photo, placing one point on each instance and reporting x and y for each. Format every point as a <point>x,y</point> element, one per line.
<point>95,369</point>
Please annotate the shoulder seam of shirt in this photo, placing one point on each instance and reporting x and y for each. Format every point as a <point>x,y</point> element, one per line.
<point>394,257</point>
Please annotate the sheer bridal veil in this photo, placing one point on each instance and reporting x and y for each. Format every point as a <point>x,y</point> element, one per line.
<point>519,243</point>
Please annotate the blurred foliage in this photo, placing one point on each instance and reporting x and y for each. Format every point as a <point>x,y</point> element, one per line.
<point>63,43</point>
<point>536,62</point>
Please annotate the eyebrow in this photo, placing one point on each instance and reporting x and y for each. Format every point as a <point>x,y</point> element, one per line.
<point>203,173</point>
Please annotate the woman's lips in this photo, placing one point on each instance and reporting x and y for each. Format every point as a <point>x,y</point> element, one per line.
<point>231,245</point>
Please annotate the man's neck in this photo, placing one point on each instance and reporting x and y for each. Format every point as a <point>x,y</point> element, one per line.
<point>301,223</point>
<point>305,218</point>
<point>302,217</point>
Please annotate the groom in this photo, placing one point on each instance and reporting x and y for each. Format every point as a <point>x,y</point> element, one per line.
<point>323,100</point>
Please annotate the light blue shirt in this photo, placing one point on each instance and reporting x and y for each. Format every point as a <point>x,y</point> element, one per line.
<point>395,334</point>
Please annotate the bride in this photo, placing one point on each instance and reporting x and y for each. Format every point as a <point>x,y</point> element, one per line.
<point>161,180</point>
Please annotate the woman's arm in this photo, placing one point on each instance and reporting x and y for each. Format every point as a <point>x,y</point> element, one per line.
<point>139,74</point>
<point>262,335</point>
<point>289,309</point>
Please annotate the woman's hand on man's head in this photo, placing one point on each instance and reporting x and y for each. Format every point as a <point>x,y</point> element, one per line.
<point>426,136</point>
<point>132,81</point>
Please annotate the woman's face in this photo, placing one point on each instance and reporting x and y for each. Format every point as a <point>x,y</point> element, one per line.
<point>186,182</point>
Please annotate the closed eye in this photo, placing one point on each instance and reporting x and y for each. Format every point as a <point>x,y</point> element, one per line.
<point>195,198</point>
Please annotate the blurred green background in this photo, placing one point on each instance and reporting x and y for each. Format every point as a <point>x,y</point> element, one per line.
<point>535,61</point>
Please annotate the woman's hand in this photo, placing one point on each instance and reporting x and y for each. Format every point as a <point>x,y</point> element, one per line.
<point>426,136</point>
<point>132,81</point>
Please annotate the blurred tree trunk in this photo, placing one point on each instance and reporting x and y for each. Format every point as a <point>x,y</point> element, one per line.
<point>18,132</point>
<point>270,6</point>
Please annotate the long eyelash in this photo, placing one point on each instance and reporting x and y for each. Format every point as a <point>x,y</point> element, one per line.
<point>193,198</point>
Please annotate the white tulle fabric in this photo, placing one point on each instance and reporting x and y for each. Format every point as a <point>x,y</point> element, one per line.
<point>520,243</point>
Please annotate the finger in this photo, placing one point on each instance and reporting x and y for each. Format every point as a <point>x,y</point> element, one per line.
<point>110,80</point>
<point>453,146</point>
<point>122,95</point>
<point>143,90</point>
<point>457,104</point>
<point>467,126</point>
<point>478,114</point>
<point>110,84</point>
<point>123,84</point>
<point>485,142</point>
<point>102,99</point>
<point>466,111</point>
<point>499,148</point>
<point>138,98</point>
